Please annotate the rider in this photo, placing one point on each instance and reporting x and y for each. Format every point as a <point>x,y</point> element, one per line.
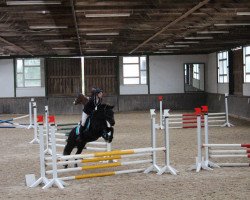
<point>93,103</point>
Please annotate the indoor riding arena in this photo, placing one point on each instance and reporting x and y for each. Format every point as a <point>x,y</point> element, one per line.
<point>125,99</point>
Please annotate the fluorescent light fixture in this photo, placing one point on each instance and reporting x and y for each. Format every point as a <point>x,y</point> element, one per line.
<point>163,52</point>
<point>47,27</point>
<point>96,50</point>
<point>58,40</point>
<point>108,33</point>
<point>27,3</point>
<point>198,38</point>
<point>98,42</point>
<point>187,42</point>
<point>243,13</point>
<point>108,15</point>
<point>63,48</point>
<point>177,45</point>
<point>233,24</point>
<point>211,32</point>
<point>169,49</point>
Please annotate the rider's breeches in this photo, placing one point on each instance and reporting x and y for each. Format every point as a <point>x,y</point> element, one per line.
<point>84,117</point>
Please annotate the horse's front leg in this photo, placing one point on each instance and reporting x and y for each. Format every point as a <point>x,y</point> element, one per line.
<point>110,134</point>
<point>80,147</point>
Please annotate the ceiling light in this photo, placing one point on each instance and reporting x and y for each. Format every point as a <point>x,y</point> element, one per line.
<point>98,42</point>
<point>59,40</point>
<point>198,38</point>
<point>108,15</point>
<point>187,42</point>
<point>169,49</point>
<point>233,24</point>
<point>108,33</point>
<point>177,45</point>
<point>95,50</point>
<point>163,52</point>
<point>27,3</point>
<point>63,48</point>
<point>243,13</point>
<point>47,27</point>
<point>211,32</point>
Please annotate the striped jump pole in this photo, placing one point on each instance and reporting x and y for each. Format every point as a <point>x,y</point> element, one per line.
<point>84,176</point>
<point>167,167</point>
<point>110,153</point>
<point>200,163</point>
<point>35,140</point>
<point>97,159</point>
<point>227,145</point>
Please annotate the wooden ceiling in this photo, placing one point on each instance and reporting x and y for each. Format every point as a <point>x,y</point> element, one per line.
<point>111,27</point>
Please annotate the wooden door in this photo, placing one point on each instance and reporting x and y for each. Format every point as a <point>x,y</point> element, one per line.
<point>63,76</point>
<point>101,73</point>
<point>238,71</point>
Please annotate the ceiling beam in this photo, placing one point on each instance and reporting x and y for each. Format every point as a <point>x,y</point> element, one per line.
<point>172,23</point>
<point>12,44</point>
<point>76,25</point>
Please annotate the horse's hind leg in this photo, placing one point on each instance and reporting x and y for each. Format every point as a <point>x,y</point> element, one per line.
<point>67,151</point>
<point>79,151</point>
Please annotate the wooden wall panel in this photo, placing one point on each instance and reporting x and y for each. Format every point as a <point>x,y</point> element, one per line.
<point>63,76</point>
<point>101,73</point>
<point>238,71</point>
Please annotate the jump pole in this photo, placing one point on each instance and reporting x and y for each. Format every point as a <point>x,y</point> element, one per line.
<point>154,126</point>
<point>43,178</point>
<point>200,163</point>
<point>35,140</point>
<point>167,167</point>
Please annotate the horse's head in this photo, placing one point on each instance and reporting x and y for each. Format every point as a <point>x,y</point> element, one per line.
<point>80,99</point>
<point>108,113</point>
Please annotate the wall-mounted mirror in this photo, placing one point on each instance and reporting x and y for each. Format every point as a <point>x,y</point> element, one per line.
<point>194,77</point>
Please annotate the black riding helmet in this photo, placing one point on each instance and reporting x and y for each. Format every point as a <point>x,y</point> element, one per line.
<point>98,90</point>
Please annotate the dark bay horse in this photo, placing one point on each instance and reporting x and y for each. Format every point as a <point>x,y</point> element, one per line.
<point>101,125</point>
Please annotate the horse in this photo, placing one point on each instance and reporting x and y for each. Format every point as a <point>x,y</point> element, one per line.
<point>100,125</point>
<point>81,99</point>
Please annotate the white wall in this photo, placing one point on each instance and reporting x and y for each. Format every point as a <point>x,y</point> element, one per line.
<point>30,92</point>
<point>7,78</point>
<point>211,74</point>
<point>246,89</point>
<point>167,72</point>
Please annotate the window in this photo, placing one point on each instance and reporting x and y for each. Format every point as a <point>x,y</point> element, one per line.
<point>196,71</point>
<point>134,70</point>
<point>223,67</point>
<point>28,72</point>
<point>246,57</point>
